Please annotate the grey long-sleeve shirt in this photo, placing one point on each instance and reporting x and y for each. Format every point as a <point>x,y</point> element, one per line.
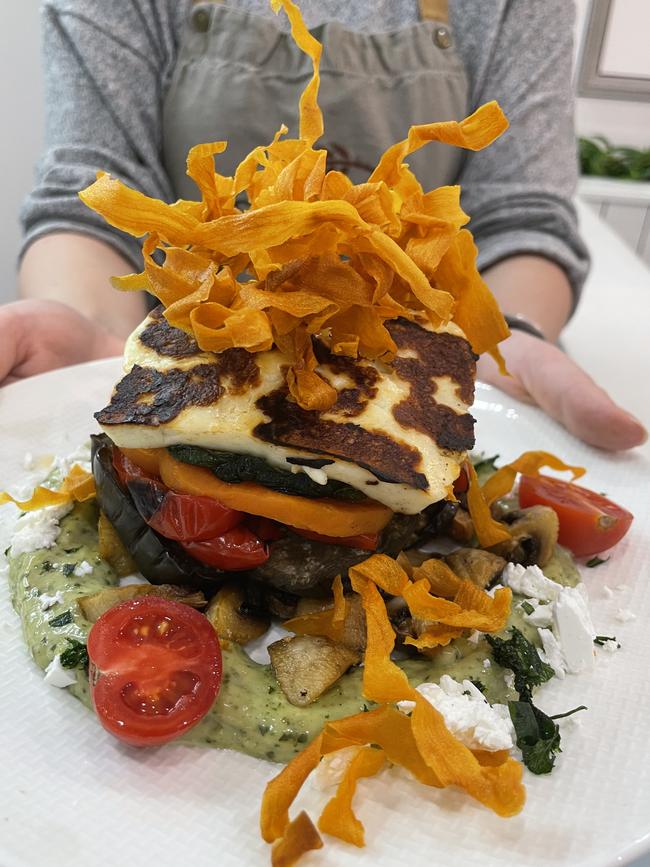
<point>107,67</point>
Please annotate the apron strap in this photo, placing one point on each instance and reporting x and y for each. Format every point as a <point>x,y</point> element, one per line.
<point>434,10</point>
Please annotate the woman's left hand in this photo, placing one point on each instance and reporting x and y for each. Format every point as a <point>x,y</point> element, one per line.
<point>542,374</point>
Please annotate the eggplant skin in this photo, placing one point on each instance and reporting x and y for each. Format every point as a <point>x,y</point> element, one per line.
<point>160,560</point>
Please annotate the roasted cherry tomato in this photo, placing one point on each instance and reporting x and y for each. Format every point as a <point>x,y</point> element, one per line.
<point>189,518</point>
<point>237,549</point>
<point>589,522</point>
<point>365,541</point>
<point>462,482</point>
<point>155,669</point>
<point>126,469</point>
<point>265,529</point>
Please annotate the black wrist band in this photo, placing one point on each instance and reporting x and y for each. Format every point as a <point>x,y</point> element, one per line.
<point>519,323</point>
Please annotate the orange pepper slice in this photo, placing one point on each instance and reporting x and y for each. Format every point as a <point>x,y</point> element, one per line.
<point>331,517</point>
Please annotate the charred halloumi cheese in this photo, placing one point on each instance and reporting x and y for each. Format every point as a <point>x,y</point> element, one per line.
<point>397,432</point>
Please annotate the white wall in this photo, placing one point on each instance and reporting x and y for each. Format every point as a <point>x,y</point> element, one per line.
<point>623,123</point>
<point>21,107</point>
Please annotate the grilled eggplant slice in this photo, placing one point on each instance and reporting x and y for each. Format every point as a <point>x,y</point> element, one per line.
<point>307,665</point>
<point>160,560</point>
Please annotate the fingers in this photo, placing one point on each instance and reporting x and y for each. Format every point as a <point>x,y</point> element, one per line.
<point>543,374</point>
<point>39,335</point>
<point>10,344</point>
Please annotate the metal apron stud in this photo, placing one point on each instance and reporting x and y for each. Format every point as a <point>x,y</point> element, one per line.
<point>201,20</point>
<point>442,37</point>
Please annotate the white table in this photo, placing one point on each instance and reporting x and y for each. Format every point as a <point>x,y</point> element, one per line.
<point>610,332</point>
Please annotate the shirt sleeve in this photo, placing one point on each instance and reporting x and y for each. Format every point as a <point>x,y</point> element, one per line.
<point>519,190</point>
<point>105,67</point>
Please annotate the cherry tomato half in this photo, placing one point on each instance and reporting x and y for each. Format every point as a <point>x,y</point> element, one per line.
<point>366,541</point>
<point>237,549</point>
<point>189,518</point>
<point>126,469</point>
<point>589,522</point>
<point>155,669</point>
<point>265,529</point>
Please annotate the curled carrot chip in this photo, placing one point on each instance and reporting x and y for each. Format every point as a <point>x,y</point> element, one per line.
<point>480,498</point>
<point>382,571</point>
<point>436,635</point>
<point>528,463</point>
<point>476,310</point>
<point>499,788</point>
<point>471,609</point>
<point>328,623</point>
<point>450,761</point>
<point>488,530</point>
<point>338,818</point>
<point>78,486</point>
<point>280,793</point>
<point>443,581</point>
<point>420,743</point>
<point>299,837</point>
<point>316,255</point>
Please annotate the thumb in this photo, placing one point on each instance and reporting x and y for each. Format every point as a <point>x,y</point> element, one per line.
<point>542,374</point>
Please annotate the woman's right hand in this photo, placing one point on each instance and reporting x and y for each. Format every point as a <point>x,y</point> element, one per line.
<point>38,335</point>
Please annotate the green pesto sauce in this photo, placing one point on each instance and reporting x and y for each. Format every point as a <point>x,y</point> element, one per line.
<point>251,714</point>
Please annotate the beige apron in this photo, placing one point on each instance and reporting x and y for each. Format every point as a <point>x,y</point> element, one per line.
<point>238,77</point>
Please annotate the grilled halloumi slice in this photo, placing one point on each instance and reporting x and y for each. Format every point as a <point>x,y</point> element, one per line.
<point>397,432</point>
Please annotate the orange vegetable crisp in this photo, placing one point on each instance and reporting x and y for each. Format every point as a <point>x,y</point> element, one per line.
<point>313,253</point>
<point>421,742</point>
<point>78,486</point>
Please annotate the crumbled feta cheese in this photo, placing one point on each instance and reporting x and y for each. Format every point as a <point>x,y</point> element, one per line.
<point>48,602</point>
<point>474,637</point>
<point>607,592</point>
<point>623,615</point>
<point>37,529</point>
<point>83,568</point>
<point>135,578</point>
<point>62,465</point>
<point>552,653</point>
<point>509,678</point>
<point>530,581</point>
<point>487,663</point>
<point>468,714</point>
<point>541,615</point>
<point>573,628</point>
<point>332,767</point>
<point>57,675</point>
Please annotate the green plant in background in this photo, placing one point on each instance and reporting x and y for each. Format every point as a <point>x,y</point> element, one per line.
<point>599,157</point>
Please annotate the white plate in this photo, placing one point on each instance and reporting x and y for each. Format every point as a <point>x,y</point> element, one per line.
<point>72,796</point>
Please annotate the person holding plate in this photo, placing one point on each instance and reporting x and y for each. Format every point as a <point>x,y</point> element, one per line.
<point>131,86</point>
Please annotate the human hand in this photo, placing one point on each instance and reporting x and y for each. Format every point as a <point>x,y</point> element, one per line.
<point>542,374</point>
<point>36,336</point>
